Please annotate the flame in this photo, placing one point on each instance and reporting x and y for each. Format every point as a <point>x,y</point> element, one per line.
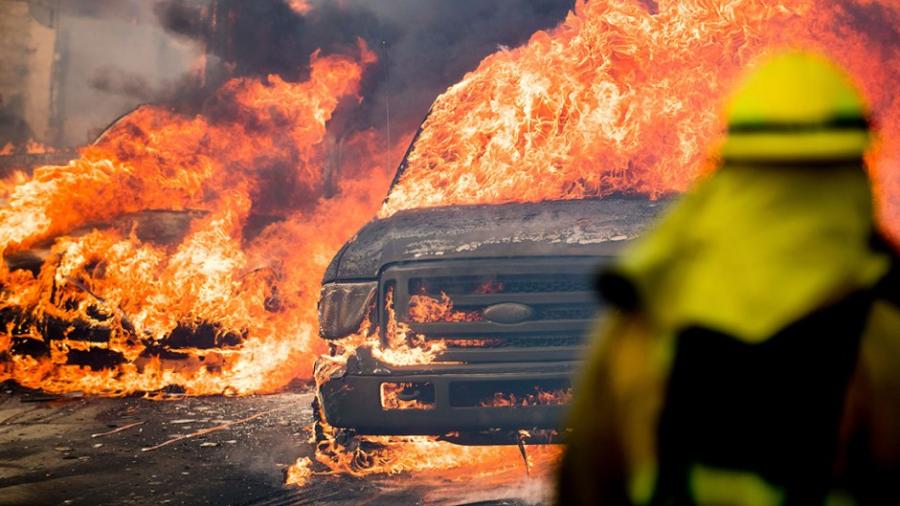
<point>10,182</point>
<point>226,304</point>
<point>391,396</point>
<point>621,111</point>
<point>617,99</point>
<point>390,455</point>
<point>630,105</point>
<point>299,473</point>
<point>425,309</point>
<point>301,7</point>
<point>403,346</point>
<point>203,310</point>
<point>400,346</point>
<point>33,147</point>
<point>427,456</point>
<point>421,454</point>
<point>538,398</point>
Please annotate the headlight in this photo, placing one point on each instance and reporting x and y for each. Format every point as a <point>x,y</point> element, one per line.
<point>342,307</point>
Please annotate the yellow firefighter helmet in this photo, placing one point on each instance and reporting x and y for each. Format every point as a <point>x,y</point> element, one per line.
<point>796,107</point>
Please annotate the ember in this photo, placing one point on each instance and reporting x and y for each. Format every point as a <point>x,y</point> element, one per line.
<point>36,148</point>
<point>537,398</point>
<point>300,6</point>
<point>472,343</point>
<point>490,286</point>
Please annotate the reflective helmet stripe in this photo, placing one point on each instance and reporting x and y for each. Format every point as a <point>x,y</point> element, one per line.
<point>797,146</point>
<point>796,107</point>
<point>837,123</point>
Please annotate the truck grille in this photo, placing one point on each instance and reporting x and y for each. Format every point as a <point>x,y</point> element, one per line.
<point>502,310</point>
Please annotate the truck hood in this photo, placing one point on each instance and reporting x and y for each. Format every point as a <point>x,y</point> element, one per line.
<point>590,227</point>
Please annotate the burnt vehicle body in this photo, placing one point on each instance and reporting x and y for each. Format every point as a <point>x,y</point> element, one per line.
<point>523,272</point>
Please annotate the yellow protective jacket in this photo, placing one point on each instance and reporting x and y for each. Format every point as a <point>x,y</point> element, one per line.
<point>734,269</point>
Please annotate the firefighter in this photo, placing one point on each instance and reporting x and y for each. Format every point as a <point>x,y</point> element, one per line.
<point>752,353</point>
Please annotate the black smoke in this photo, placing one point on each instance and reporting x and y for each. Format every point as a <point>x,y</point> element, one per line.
<point>423,46</point>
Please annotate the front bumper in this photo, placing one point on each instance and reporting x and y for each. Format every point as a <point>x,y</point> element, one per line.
<point>353,400</point>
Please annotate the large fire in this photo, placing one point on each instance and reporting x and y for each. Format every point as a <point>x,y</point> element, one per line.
<point>617,99</point>
<point>622,110</point>
<point>183,253</point>
<point>225,303</point>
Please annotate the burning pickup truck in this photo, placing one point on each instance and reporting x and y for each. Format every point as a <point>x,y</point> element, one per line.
<point>504,290</point>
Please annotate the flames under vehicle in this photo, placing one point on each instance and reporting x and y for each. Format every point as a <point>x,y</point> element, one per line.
<point>519,277</point>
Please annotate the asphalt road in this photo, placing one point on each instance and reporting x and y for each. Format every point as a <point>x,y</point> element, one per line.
<point>75,450</point>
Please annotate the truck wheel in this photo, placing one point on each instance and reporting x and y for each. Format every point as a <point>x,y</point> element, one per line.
<point>343,440</point>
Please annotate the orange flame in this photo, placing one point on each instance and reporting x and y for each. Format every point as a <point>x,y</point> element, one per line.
<point>425,309</point>
<point>401,346</point>
<point>617,99</point>
<point>538,398</point>
<point>10,182</point>
<point>203,309</point>
<point>426,456</point>
<point>36,148</point>
<point>629,104</point>
<point>404,347</point>
<point>388,455</point>
<point>392,396</point>
<point>621,111</point>
<point>300,6</point>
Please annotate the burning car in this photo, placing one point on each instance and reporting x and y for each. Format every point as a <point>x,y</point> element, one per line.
<point>503,295</point>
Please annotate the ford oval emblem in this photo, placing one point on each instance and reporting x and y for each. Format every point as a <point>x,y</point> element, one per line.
<point>507,312</point>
